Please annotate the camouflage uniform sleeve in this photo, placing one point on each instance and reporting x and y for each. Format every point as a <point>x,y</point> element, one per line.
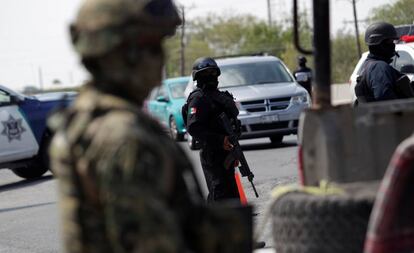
<point>69,196</point>
<point>136,202</point>
<point>142,203</point>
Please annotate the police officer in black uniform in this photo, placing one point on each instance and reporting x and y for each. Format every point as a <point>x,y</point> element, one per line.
<point>377,80</point>
<point>205,104</point>
<point>303,74</point>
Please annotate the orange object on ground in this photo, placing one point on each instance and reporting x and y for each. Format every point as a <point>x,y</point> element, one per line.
<point>243,199</point>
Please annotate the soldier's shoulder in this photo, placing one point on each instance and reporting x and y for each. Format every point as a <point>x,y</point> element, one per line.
<point>226,94</point>
<point>196,96</point>
<point>196,93</point>
<point>375,64</point>
<point>115,123</point>
<point>381,64</point>
<point>124,125</point>
<point>111,128</point>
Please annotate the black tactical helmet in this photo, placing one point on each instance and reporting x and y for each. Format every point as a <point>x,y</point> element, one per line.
<point>204,63</point>
<point>302,59</point>
<point>378,32</point>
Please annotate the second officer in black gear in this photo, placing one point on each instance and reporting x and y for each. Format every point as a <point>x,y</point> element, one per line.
<point>205,104</point>
<point>306,79</point>
<point>377,80</point>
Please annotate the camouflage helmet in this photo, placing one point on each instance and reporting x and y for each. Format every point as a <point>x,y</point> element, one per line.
<point>101,25</point>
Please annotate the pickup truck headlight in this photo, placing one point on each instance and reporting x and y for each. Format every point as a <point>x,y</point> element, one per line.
<point>300,99</point>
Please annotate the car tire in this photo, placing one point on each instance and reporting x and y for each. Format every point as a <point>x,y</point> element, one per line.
<point>276,139</point>
<point>39,166</point>
<point>175,135</point>
<point>320,224</point>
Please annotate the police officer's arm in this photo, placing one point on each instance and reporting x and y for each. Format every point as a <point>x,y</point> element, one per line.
<point>199,118</point>
<point>382,79</point>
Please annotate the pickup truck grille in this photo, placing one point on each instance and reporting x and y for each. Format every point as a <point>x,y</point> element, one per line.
<point>269,126</point>
<point>266,105</point>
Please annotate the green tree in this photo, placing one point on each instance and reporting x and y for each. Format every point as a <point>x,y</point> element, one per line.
<point>216,35</point>
<point>259,37</point>
<point>397,13</point>
<point>194,49</point>
<point>344,56</point>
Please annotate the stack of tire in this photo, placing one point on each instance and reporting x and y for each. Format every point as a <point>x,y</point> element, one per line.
<point>306,223</point>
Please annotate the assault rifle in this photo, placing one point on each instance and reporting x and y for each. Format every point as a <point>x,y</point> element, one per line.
<point>236,152</point>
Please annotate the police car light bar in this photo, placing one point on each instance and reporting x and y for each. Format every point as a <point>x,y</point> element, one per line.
<point>405,33</point>
<point>407,38</point>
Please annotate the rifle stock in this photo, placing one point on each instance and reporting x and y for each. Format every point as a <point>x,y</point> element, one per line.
<point>237,153</point>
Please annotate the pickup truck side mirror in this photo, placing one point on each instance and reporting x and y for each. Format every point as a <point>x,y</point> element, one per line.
<point>163,99</point>
<point>407,69</point>
<point>302,77</point>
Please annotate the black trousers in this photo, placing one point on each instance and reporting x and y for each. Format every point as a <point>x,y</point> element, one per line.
<point>220,180</point>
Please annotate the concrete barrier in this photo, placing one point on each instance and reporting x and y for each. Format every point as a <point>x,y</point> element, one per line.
<point>344,144</point>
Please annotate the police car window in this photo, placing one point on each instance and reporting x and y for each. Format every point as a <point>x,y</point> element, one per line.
<point>177,89</point>
<point>403,60</point>
<point>4,98</point>
<point>253,74</point>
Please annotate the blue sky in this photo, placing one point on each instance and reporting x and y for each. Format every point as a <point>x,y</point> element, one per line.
<point>34,43</point>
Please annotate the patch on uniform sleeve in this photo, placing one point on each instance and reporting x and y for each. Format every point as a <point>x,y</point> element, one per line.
<point>193,110</point>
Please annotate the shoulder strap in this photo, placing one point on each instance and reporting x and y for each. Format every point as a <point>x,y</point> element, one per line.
<point>226,101</point>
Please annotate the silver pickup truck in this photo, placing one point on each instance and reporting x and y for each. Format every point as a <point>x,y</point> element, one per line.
<point>269,99</point>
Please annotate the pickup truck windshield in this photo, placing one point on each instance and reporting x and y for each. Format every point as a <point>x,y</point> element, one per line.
<point>253,74</point>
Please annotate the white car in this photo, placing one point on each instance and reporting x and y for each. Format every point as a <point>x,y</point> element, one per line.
<point>406,53</point>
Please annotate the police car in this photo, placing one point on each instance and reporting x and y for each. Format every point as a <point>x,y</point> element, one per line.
<point>24,135</point>
<point>403,63</point>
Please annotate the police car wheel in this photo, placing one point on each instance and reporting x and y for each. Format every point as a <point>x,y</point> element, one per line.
<point>34,171</point>
<point>174,130</point>
<point>276,139</point>
<point>39,166</point>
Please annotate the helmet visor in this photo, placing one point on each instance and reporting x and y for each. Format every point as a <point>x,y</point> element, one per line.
<point>209,72</point>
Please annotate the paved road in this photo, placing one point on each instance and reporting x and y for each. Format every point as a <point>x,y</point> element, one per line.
<point>29,213</point>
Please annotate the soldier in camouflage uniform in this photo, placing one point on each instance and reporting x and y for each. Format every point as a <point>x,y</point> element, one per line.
<point>124,185</point>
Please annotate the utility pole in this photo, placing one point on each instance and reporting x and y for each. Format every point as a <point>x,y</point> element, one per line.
<point>356,29</point>
<point>183,41</point>
<point>40,78</point>
<point>71,79</point>
<point>269,12</point>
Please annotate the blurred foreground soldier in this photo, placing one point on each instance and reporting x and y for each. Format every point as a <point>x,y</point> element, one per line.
<point>303,74</point>
<point>204,105</point>
<point>125,186</point>
<point>377,80</point>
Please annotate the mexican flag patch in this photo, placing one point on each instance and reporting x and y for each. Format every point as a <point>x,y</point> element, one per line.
<point>193,110</point>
